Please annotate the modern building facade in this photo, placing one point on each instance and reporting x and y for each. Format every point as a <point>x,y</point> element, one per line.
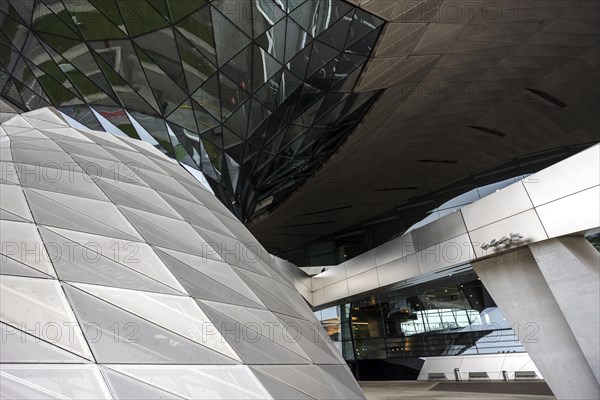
<point>123,278</point>
<point>421,175</point>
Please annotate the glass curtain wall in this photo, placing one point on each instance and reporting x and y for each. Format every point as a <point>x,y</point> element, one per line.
<point>448,316</point>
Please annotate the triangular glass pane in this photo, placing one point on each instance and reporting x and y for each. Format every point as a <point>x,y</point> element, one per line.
<point>257,114</point>
<point>255,349</point>
<point>132,10</point>
<point>229,40</point>
<point>29,304</point>
<point>11,93</point>
<point>55,84</point>
<point>196,66</point>
<point>320,56</point>
<point>338,9</point>
<point>145,137</point>
<point>180,9</point>
<point>110,10</point>
<point>24,10</point>
<point>267,94</point>
<point>271,41</point>
<point>233,169</point>
<point>208,96</point>
<point>335,35</point>
<point>20,348</point>
<point>296,39</point>
<point>203,286</point>
<point>238,12</point>
<point>137,95</point>
<point>239,68</point>
<point>46,21</point>
<point>137,256</point>
<point>305,14</point>
<point>268,15</point>
<point>198,29</point>
<point>136,340</point>
<point>125,387</point>
<point>308,96</point>
<point>168,58</point>
<point>232,95</point>
<point>305,119</point>
<point>178,314</point>
<point>168,94</point>
<point>298,64</point>
<point>34,100</point>
<point>77,213</point>
<point>82,115</point>
<point>348,63</point>
<point>265,67</point>
<point>157,128</point>
<point>317,17</point>
<point>77,263</point>
<point>206,122</point>
<point>161,7</point>
<point>230,139</point>
<point>183,147</point>
<point>92,23</point>
<point>238,120</point>
<point>184,116</point>
<point>112,55</point>
<point>362,45</point>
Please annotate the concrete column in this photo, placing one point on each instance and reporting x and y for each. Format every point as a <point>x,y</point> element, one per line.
<point>519,288</point>
<point>571,266</point>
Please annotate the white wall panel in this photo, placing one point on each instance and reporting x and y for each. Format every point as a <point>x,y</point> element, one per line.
<point>509,201</point>
<point>569,176</point>
<point>559,219</point>
<point>394,249</point>
<point>398,270</point>
<point>363,282</point>
<point>455,251</point>
<point>527,224</point>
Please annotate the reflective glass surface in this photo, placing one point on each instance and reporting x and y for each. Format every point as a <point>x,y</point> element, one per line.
<point>249,92</point>
<point>447,316</point>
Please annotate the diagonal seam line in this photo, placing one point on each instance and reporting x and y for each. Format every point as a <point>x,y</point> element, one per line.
<point>84,215</point>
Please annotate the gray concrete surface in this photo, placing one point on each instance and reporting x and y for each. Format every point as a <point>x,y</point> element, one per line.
<point>408,390</point>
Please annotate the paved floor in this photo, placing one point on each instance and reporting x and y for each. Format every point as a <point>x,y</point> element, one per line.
<point>407,390</point>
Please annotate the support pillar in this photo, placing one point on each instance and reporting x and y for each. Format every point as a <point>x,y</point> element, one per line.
<point>549,293</point>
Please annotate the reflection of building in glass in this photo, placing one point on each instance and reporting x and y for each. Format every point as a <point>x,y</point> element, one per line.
<point>257,95</point>
<point>446,316</point>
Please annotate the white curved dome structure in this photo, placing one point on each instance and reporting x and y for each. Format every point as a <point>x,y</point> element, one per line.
<point>122,277</point>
